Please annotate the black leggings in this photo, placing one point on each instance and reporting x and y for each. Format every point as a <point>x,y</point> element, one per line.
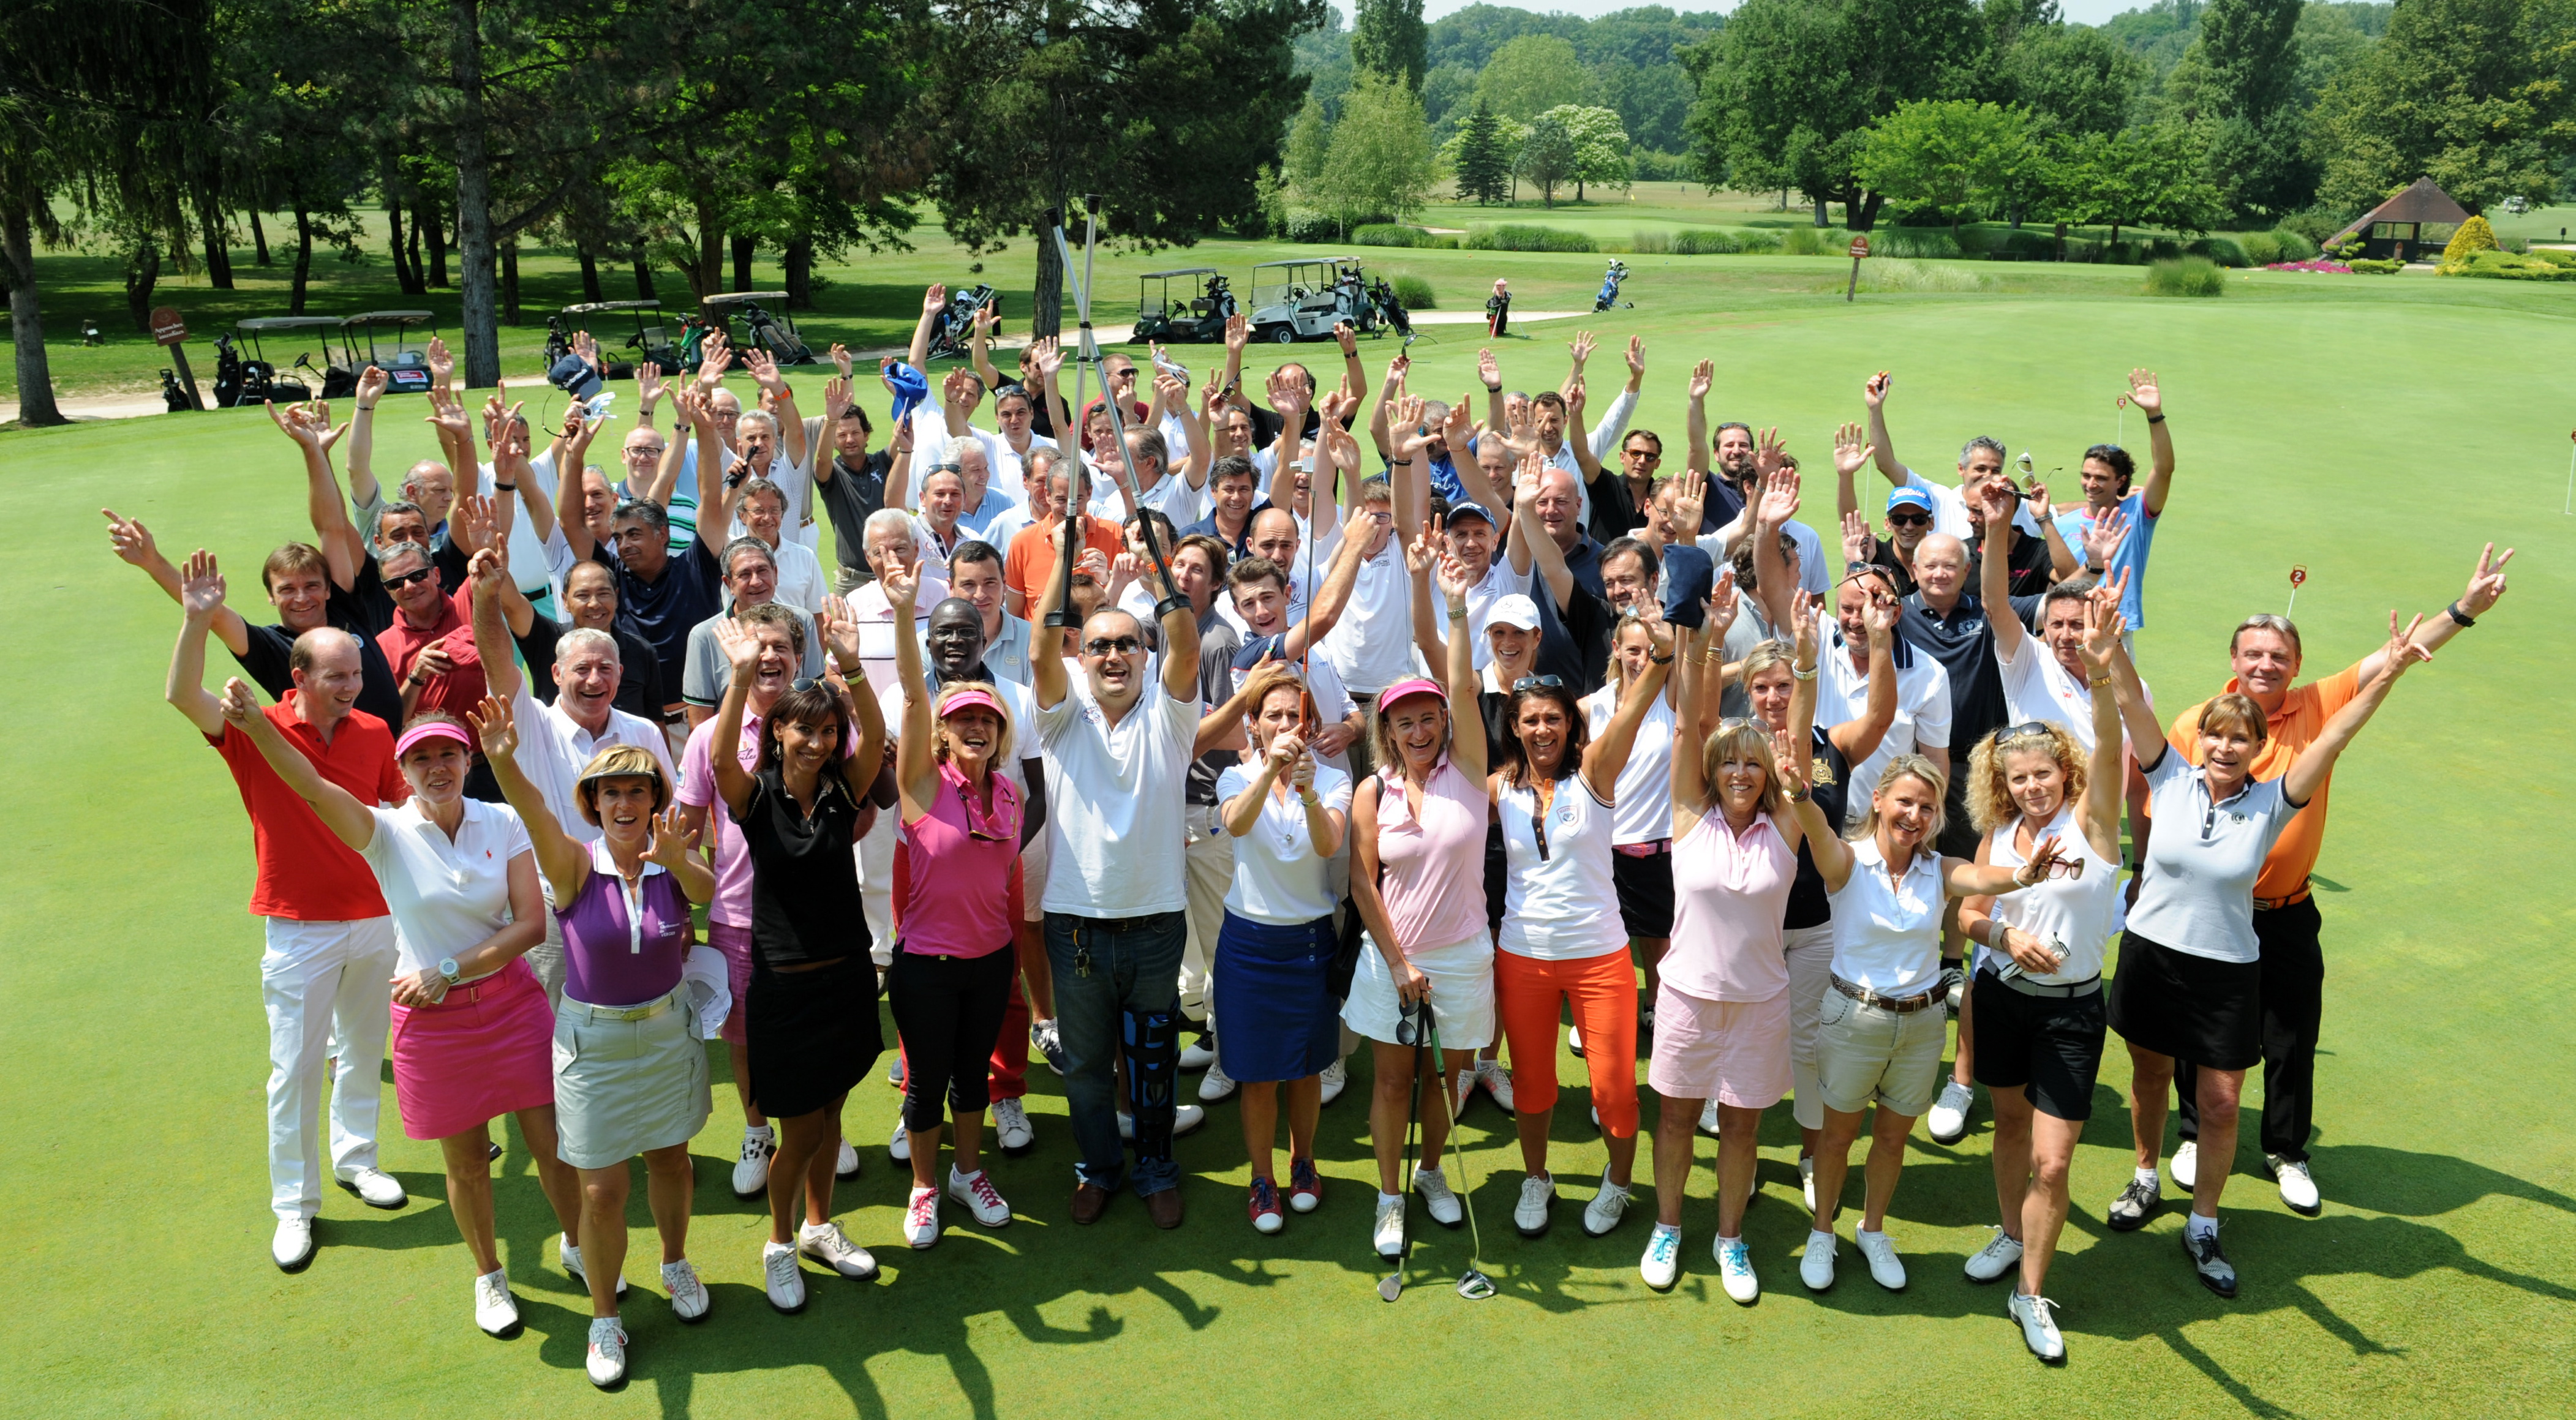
<point>948,1011</point>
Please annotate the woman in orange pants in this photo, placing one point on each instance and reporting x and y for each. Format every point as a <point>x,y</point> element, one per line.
<point>1561,938</point>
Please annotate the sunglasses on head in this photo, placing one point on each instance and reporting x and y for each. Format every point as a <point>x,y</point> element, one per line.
<point>805,683</point>
<point>2026,730</point>
<point>1538,682</point>
<point>2103,450</point>
<point>1908,520</point>
<point>1106,645</point>
<point>407,578</point>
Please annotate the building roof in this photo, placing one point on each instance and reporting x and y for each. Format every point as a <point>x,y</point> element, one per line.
<point>2422,201</point>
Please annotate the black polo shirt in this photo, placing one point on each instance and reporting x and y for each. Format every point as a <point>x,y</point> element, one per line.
<point>639,680</point>
<point>662,613</point>
<point>1882,553</point>
<point>850,498</point>
<point>2028,569</point>
<point>1573,640</point>
<point>1963,641</point>
<point>1584,561</point>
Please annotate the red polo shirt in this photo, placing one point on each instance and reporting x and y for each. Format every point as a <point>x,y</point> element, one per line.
<point>460,689</point>
<point>306,874</point>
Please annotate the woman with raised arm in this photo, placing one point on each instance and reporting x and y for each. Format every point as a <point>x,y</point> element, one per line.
<point>470,1025</point>
<point>2038,983</point>
<point>812,1007</point>
<point>1562,943</point>
<point>2189,982</point>
<point>1418,879</point>
<point>959,900</point>
<point>630,1072</point>
<point>1274,952</point>
<point>1880,1029</point>
<point>1722,1014</point>
<point>1641,837</point>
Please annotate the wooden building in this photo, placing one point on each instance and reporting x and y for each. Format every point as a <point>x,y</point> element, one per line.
<point>2394,230</point>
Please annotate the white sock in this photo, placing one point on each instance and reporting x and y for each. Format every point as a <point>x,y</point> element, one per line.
<point>1384,1199</point>
<point>1813,1234</point>
<point>1423,1173</point>
<point>2149,1177</point>
<point>2200,1227</point>
<point>756,1131</point>
<point>1866,1233</point>
<point>1663,1228</point>
<point>955,1177</point>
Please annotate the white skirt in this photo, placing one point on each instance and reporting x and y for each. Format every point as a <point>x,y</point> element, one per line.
<point>1462,993</point>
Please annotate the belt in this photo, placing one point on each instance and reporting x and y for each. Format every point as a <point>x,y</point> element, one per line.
<point>645,1012</point>
<point>1901,1005</point>
<point>2296,896</point>
<point>1642,850</point>
<point>2028,987</point>
<point>1118,924</point>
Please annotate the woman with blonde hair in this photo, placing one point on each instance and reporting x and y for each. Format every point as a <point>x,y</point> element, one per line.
<point>630,1071</point>
<point>1722,1011</point>
<point>1641,824</point>
<point>2038,1018</point>
<point>1880,1030</point>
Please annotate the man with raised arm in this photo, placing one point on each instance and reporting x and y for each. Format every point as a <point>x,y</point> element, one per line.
<point>2108,481</point>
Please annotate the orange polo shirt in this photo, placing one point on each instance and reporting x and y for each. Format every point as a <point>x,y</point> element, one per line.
<point>2293,727</point>
<point>1029,563</point>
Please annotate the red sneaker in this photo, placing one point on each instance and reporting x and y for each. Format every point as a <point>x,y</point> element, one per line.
<point>1305,1187</point>
<point>1264,1207</point>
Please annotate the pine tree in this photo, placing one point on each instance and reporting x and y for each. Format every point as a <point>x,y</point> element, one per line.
<point>1484,169</point>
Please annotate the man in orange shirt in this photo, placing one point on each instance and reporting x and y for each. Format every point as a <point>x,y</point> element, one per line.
<point>1029,563</point>
<point>2264,653</point>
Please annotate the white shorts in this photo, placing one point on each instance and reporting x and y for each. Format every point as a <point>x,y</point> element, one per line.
<point>1462,993</point>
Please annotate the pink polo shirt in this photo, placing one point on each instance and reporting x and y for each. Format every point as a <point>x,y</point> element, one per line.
<point>732,904</point>
<point>1434,884</point>
<point>1729,896</point>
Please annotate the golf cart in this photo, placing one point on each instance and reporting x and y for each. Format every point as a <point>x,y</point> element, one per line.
<point>651,340</point>
<point>1185,318</point>
<point>1305,298</point>
<point>253,379</point>
<point>397,343</point>
<point>773,333</point>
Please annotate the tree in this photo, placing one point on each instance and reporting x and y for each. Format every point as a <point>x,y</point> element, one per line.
<point>1380,162</point>
<point>2155,175</point>
<point>2071,79</point>
<point>1789,87</point>
<point>1600,145</point>
<point>2238,79</point>
<point>1531,75</point>
<point>1165,113</point>
<point>1947,155</point>
<point>1388,38</point>
<point>2474,94</point>
<point>1310,141</point>
<point>1548,156</point>
<point>1481,160</point>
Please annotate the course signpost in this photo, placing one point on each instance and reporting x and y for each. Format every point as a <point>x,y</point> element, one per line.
<point>169,330</point>
<point>1859,253</point>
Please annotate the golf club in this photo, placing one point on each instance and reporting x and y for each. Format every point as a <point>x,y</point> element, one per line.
<point>1473,1284</point>
<point>1413,1020</point>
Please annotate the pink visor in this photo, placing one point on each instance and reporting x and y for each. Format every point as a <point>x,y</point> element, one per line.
<point>1405,688</point>
<point>970,699</point>
<point>430,730</point>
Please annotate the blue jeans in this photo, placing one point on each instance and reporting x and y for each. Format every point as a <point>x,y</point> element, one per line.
<point>1120,991</point>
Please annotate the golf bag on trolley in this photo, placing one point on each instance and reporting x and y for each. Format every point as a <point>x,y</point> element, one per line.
<point>1610,282</point>
<point>1390,308</point>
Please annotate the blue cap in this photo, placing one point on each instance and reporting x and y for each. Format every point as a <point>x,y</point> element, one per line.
<point>1689,576</point>
<point>1906,494</point>
<point>1473,509</point>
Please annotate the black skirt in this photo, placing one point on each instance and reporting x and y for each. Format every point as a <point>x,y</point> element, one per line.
<point>2199,1009</point>
<point>812,1035</point>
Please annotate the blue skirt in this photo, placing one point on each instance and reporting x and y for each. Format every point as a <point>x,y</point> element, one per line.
<point>1276,1018</point>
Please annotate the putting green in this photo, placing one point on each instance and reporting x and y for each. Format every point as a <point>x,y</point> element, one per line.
<point>2376,431</point>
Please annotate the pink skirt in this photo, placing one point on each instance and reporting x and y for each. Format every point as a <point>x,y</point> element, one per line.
<point>483,1052</point>
<point>1734,1052</point>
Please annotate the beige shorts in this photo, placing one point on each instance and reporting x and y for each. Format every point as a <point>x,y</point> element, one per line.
<point>1868,1054</point>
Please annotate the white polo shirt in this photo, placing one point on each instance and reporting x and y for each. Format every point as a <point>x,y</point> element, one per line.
<point>554,749</point>
<point>1645,788</point>
<point>1372,644</point>
<point>2201,861</point>
<point>1278,880</point>
<point>1115,796</point>
<point>1887,932</point>
<point>1922,709</point>
<point>2037,687</point>
<point>445,895</point>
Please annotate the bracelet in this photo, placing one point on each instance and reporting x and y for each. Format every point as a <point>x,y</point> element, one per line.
<point>2099,681</point>
<point>2464,620</point>
<point>1808,674</point>
<point>366,409</point>
<point>1665,659</point>
<point>1493,389</point>
<point>2155,419</point>
<point>499,487</point>
<point>1457,614</point>
<point>1801,796</point>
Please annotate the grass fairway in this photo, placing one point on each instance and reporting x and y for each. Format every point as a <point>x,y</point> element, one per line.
<point>2377,431</point>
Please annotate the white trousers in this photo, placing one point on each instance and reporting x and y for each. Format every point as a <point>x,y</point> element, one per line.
<point>1210,868</point>
<point>329,992</point>
<point>876,885</point>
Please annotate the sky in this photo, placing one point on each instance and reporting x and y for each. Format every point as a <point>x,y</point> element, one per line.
<point>2090,12</point>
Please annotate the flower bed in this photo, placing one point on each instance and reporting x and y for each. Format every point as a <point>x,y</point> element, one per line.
<point>2333,267</point>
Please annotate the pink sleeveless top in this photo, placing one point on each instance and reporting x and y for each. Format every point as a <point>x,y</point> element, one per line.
<point>1434,883</point>
<point>1729,895</point>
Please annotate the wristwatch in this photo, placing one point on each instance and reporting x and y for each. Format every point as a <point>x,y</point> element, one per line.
<point>448,968</point>
<point>2462,618</point>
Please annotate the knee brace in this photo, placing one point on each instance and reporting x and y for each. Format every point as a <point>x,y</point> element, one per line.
<point>1153,1060</point>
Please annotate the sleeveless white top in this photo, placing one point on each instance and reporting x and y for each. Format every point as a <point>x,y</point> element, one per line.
<point>1562,907</point>
<point>2079,913</point>
<point>1645,788</point>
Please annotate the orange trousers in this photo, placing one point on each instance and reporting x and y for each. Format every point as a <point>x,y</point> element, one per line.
<point>1603,993</point>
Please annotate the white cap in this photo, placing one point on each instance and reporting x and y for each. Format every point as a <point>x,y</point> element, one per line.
<point>710,988</point>
<point>1514,610</point>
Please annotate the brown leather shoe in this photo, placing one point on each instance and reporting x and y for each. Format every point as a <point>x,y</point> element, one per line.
<point>1089,1202</point>
<point>1164,1208</point>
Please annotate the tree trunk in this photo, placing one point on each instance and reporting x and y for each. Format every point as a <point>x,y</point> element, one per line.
<point>643,276</point>
<point>1046,298</point>
<point>473,202</point>
<point>1869,206</point>
<point>1821,216</point>
<point>259,238</point>
<point>708,278</point>
<point>419,267</point>
<point>799,261</point>
<point>303,259</point>
<point>1578,189</point>
<point>219,259</point>
<point>36,407</point>
<point>142,273</point>
<point>510,281</point>
<point>590,276</point>
<point>2061,241</point>
<point>435,224</point>
<point>743,250</point>
<point>406,270</point>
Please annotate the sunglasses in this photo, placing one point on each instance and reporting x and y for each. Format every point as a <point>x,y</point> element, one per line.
<point>805,683</point>
<point>1408,1023</point>
<point>1538,682</point>
<point>1106,645</point>
<point>2027,729</point>
<point>989,828</point>
<point>407,578</point>
<point>2070,867</point>
<point>2100,450</point>
<point>643,451</point>
<point>1908,520</point>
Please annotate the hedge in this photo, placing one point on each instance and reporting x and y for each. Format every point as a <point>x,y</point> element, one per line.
<point>1513,236</point>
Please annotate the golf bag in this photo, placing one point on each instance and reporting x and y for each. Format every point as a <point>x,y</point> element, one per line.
<point>1390,309</point>
<point>1220,309</point>
<point>558,345</point>
<point>174,395</point>
<point>766,331</point>
<point>954,328</point>
<point>1610,281</point>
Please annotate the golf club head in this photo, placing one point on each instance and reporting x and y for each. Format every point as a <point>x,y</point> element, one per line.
<point>1475,1286</point>
<point>1391,1287</point>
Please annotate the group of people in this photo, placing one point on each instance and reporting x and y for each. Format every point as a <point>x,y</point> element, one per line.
<point>1175,735</point>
